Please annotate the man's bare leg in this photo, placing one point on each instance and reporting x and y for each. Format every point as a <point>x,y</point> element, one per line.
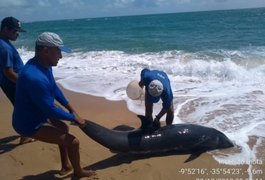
<point>51,134</point>
<point>66,166</point>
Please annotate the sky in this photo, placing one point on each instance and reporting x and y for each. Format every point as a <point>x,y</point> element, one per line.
<point>40,10</point>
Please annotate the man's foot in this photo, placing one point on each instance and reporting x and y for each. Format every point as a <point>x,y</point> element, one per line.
<point>24,140</point>
<point>65,171</point>
<point>85,173</point>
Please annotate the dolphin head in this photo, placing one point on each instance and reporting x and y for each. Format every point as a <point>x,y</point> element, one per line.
<point>223,141</point>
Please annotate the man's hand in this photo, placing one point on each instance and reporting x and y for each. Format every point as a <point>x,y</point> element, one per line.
<point>156,123</point>
<point>80,121</point>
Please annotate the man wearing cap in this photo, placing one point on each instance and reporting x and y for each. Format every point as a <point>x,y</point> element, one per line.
<point>10,62</point>
<point>157,86</point>
<point>35,113</point>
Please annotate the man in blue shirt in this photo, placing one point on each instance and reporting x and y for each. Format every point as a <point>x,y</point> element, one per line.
<point>36,115</point>
<point>10,62</point>
<point>157,86</point>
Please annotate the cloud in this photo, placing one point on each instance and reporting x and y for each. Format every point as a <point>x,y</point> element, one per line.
<point>135,3</point>
<point>145,3</point>
<point>12,3</point>
<point>75,4</point>
<point>119,3</point>
<point>220,1</point>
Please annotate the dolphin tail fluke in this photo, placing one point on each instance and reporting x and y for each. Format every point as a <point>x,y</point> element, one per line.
<point>193,156</point>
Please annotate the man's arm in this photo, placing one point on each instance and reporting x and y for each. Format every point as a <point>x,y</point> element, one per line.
<point>10,74</point>
<point>43,98</point>
<point>141,84</point>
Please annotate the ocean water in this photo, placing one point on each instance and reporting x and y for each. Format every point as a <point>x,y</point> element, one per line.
<point>215,61</point>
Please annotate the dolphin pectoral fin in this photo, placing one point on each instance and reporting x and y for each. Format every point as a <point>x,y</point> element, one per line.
<point>193,156</point>
<point>115,152</point>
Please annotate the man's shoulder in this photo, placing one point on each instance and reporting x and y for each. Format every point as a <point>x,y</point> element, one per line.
<point>30,71</point>
<point>2,41</point>
<point>5,45</point>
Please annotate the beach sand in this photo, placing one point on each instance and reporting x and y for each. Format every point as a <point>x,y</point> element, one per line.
<point>38,160</point>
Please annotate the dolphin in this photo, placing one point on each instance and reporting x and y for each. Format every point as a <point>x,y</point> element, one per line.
<point>179,138</point>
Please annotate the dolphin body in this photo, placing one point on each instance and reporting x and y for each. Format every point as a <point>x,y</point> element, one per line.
<point>178,138</point>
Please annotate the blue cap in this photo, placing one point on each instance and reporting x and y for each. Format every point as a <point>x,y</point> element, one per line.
<point>65,49</point>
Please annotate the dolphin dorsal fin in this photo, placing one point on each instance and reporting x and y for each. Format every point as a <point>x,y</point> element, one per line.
<point>142,119</point>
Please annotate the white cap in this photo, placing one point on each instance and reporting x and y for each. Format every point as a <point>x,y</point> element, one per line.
<point>51,40</point>
<point>155,88</point>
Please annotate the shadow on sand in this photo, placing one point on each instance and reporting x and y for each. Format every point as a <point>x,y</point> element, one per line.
<point>51,175</point>
<point>126,158</point>
<point>6,145</point>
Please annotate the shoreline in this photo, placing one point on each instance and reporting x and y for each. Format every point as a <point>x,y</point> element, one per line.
<point>39,160</point>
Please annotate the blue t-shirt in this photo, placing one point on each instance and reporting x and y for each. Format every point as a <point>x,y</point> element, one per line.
<point>167,96</point>
<point>9,57</point>
<point>35,97</point>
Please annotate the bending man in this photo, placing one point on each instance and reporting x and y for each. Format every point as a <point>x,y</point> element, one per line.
<point>157,86</point>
